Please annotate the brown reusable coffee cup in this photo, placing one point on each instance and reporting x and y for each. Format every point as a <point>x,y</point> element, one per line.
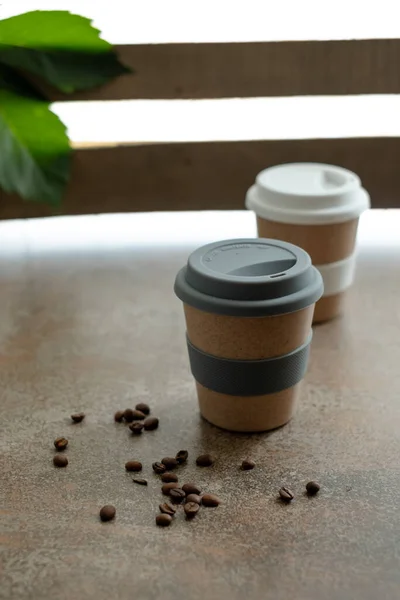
<point>316,207</point>
<point>248,307</point>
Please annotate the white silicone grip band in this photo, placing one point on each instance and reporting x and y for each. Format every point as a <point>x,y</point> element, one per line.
<point>337,276</point>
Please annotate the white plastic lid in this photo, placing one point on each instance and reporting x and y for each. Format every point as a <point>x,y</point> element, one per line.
<point>307,194</point>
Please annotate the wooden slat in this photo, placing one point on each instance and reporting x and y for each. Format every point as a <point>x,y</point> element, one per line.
<point>255,69</point>
<point>206,176</point>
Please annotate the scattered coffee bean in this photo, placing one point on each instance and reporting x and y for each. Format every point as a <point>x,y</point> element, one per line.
<point>167,487</point>
<point>133,465</point>
<point>151,423</point>
<point>60,443</point>
<point>210,500</point>
<point>312,488</point>
<point>163,520</point>
<point>286,494</point>
<point>140,481</point>
<point>248,465</point>
<point>177,495</point>
<point>138,415</point>
<point>169,478</point>
<point>128,415</point>
<point>182,456</point>
<point>167,509</point>
<point>136,427</point>
<point>169,462</point>
<point>191,488</point>
<point>60,461</point>
<point>159,468</point>
<point>144,408</point>
<point>204,460</point>
<point>191,509</point>
<point>78,417</point>
<point>119,415</point>
<point>193,498</point>
<point>107,513</point>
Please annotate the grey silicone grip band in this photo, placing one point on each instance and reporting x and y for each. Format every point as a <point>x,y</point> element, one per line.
<point>249,377</point>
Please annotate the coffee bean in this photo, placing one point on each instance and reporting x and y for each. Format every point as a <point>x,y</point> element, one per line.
<point>182,456</point>
<point>193,498</point>
<point>169,462</point>
<point>60,460</point>
<point>138,415</point>
<point>151,423</point>
<point>78,417</point>
<point>119,415</point>
<point>60,443</point>
<point>191,488</point>
<point>168,509</point>
<point>177,495</point>
<point>163,520</point>
<point>191,509</point>
<point>312,488</point>
<point>210,500</point>
<point>107,513</point>
<point>204,460</point>
<point>136,427</point>
<point>144,408</point>
<point>133,465</point>
<point>286,494</point>
<point>140,481</point>
<point>248,465</point>
<point>169,478</point>
<point>159,468</point>
<point>167,487</point>
<point>128,415</point>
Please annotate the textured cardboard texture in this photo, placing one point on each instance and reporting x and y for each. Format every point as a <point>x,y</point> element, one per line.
<point>247,338</point>
<point>329,307</point>
<point>324,243</point>
<point>248,414</point>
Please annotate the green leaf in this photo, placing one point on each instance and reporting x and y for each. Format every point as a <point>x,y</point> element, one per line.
<point>68,72</point>
<point>34,149</point>
<point>11,80</point>
<point>62,48</point>
<point>52,30</point>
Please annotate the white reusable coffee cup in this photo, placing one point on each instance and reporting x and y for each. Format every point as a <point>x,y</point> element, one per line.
<point>317,207</point>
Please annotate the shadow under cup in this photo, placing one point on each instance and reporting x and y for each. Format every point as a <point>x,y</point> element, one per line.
<point>248,306</point>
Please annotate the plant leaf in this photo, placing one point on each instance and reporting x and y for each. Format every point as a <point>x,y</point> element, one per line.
<point>68,72</point>
<point>11,80</point>
<point>50,30</point>
<point>62,48</point>
<point>34,149</point>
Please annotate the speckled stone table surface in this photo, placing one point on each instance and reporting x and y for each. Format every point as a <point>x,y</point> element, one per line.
<point>96,327</point>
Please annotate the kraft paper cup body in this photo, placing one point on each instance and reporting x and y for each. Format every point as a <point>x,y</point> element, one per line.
<point>331,248</point>
<point>248,338</point>
<point>246,323</point>
<point>316,207</point>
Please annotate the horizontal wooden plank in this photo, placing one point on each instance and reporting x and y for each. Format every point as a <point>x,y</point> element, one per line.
<point>254,69</point>
<point>206,176</point>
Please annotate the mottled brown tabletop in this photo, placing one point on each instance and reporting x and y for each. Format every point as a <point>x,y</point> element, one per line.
<point>95,327</point>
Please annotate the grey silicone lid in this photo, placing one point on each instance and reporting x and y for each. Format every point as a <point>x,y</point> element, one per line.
<point>249,277</point>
